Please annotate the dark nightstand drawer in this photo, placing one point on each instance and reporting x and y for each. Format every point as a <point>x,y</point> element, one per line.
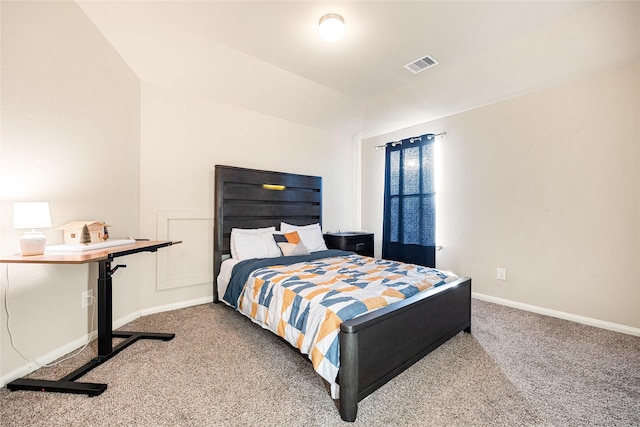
<point>361,243</point>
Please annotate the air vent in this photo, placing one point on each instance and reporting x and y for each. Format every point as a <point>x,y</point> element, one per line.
<point>421,64</point>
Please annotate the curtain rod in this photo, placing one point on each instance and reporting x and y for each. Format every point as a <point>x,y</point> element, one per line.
<point>412,139</point>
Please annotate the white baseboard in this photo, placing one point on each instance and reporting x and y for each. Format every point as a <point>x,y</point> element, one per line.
<point>616,327</point>
<point>176,305</point>
<point>118,323</point>
<point>47,358</point>
<point>79,342</point>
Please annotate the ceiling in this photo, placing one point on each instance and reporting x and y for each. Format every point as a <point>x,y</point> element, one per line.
<point>271,60</point>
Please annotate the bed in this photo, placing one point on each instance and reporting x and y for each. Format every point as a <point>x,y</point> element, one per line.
<point>373,347</point>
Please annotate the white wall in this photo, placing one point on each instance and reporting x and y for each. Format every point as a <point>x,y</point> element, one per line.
<point>70,136</point>
<point>546,185</point>
<point>525,180</point>
<point>184,137</point>
<point>603,35</point>
<point>137,155</point>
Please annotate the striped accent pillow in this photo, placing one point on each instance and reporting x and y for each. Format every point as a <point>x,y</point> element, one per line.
<point>290,244</point>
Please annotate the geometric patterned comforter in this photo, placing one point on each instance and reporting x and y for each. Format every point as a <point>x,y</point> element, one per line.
<point>306,302</point>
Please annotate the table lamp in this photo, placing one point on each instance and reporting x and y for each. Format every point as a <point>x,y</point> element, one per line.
<point>31,215</point>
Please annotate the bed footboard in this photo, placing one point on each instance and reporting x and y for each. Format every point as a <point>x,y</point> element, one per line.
<point>376,347</point>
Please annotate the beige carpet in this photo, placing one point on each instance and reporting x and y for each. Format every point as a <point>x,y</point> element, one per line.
<point>516,368</point>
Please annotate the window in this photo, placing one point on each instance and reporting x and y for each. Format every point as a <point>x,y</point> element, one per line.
<point>409,202</point>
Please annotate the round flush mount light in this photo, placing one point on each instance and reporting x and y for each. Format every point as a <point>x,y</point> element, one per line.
<point>331,27</point>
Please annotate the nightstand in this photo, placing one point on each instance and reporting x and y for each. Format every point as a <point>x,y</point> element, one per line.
<point>355,241</point>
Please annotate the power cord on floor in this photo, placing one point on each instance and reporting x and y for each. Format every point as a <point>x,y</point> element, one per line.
<point>46,365</point>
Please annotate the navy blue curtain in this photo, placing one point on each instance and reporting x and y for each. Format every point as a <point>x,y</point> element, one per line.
<point>409,202</point>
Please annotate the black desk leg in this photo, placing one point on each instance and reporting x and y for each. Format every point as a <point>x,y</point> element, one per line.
<point>105,347</point>
<point>105,307</point>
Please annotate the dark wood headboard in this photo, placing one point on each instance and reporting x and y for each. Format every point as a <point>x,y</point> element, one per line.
<point>250,198</point>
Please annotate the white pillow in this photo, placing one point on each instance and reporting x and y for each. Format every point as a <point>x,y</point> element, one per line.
<point>243,239</point>
<point>311,235</point>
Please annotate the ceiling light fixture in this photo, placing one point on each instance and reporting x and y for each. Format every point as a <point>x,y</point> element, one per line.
<point>331,27</point>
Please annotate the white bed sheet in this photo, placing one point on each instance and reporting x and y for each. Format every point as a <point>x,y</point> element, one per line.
<point>226,268</point>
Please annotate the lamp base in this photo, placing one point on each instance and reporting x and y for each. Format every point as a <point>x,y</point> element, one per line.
<point>33,243</point>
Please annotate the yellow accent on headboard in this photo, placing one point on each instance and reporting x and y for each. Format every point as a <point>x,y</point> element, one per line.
<point>273,187</point>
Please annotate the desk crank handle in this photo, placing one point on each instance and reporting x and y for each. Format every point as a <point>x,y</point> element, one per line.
<point>115,268</point>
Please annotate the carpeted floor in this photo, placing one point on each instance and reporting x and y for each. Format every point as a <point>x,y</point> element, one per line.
<point>515,369</point>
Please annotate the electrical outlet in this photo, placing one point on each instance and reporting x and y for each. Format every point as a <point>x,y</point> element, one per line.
<point>501,274</point>
<point>87,298</point>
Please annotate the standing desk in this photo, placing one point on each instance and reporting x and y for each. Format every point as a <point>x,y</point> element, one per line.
<point>106,350</point>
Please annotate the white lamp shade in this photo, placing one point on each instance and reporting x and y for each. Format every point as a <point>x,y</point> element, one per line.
<point>331,27</point>
<point>31,215</point>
